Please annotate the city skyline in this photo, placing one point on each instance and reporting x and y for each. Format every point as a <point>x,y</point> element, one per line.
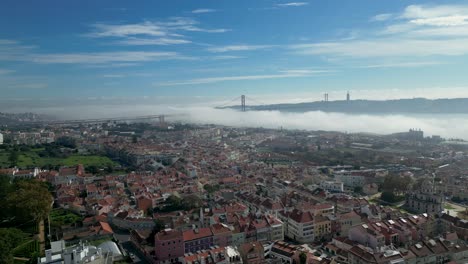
<point>186,49</point>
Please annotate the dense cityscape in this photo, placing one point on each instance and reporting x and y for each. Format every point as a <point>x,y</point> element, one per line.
<point>161,192</point>
<point>234,132</point>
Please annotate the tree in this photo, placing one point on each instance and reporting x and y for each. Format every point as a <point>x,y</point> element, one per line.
<point>302,258</point>
<point>67,142</point>
<point>109,169</point>
<point>358,189</point>
<point>6,187</point>
<point>31,200</point>
<point>191,201</point>
<point>13,158</point>
<point>9,239</point>
<point>396,184</point>
<point>93,169</point>
<point>159,225</point>
<point>211,188</point>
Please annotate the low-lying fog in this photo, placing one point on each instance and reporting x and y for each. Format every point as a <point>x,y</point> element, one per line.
<point>448,126</point>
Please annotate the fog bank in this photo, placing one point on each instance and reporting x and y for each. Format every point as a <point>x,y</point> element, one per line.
<point>448,126</point>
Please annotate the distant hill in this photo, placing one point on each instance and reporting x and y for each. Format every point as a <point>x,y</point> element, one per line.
<point>417,105</point>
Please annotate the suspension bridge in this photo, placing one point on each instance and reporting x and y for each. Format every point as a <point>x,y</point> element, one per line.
<point>243,103</point>
<point>161,118</point>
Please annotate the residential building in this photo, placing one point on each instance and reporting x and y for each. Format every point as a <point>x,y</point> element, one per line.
<point>367,235</point>
<point>332,186</point>
<point>425,200</point>
<point>198,239</point>
<point>168,245</point>
<point>252,253</point>
<point>299,225</point>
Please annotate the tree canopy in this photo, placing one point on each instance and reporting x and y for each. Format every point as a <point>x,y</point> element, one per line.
<point>30,201</point>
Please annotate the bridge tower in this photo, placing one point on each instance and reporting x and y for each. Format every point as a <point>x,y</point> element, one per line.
<point>243,103</point>
<point>161,120</point>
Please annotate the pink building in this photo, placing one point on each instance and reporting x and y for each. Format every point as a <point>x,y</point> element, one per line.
<point>169,245</point>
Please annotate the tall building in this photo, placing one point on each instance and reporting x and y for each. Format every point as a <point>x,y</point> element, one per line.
<point>425,200</point>
<point>1,138</point>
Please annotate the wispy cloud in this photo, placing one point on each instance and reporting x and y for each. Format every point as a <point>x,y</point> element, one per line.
<point>238,48</point>
<point>169,32</point>
<point>156,41</point>
<point>113,75</point>
<point>226,57</point>
<point>414,64</point>
<point>30,86</point>
<point>19,52</point>
<point>415,32</point>
<point>203,10</point>
<point>168,28</point>
<point>386,47</point>
<point>5,71</point>
<point>146,28</point>
<point>292,4</point>
<point>7,42</point>
<point>381,17</point>
<point>104,57</point>
<point>280,75</point>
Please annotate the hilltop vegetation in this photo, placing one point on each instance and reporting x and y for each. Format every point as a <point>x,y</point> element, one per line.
<point>25,204</point>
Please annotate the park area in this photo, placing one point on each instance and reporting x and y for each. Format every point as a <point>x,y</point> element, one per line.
<point>32,158</point>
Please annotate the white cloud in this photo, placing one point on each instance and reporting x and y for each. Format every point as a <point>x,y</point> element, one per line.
<point>7,42</point>
<point>5,71</point>
<point>427,11</point>
<point>145,28</point>
<point>415,32</point>
<point>151,32</point>
<point>103,57</point>
<point>156,41</point>
<point>28,85</point>
<point>382,17</point>
<point>284,74</point>
<point>386,47</point>
<point>203,10</point>
<point>455,20</point>
<point>413,64</point>
<point>113,76</point>
<point>153,29</point>
<point>226,57</point>
<point>238,48</point>
<point>292,4</point>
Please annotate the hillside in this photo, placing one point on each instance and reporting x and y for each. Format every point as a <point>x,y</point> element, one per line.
<point>417,105</point>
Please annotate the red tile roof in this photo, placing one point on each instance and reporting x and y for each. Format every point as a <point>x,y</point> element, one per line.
<point>197,234</point>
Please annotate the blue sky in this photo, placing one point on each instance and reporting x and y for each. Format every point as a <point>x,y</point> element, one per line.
<point>51,49</point>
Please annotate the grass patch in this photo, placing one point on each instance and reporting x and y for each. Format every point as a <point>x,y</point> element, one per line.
<point>60,217</point>
<point>99,161</point>
<point>448,206</point>
<point>31,158</point>
<point>26,249</point>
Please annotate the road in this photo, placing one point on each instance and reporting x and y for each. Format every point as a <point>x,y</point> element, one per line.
<point>138,257</point>
<point>123,236</point>
<point>454,209</point>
